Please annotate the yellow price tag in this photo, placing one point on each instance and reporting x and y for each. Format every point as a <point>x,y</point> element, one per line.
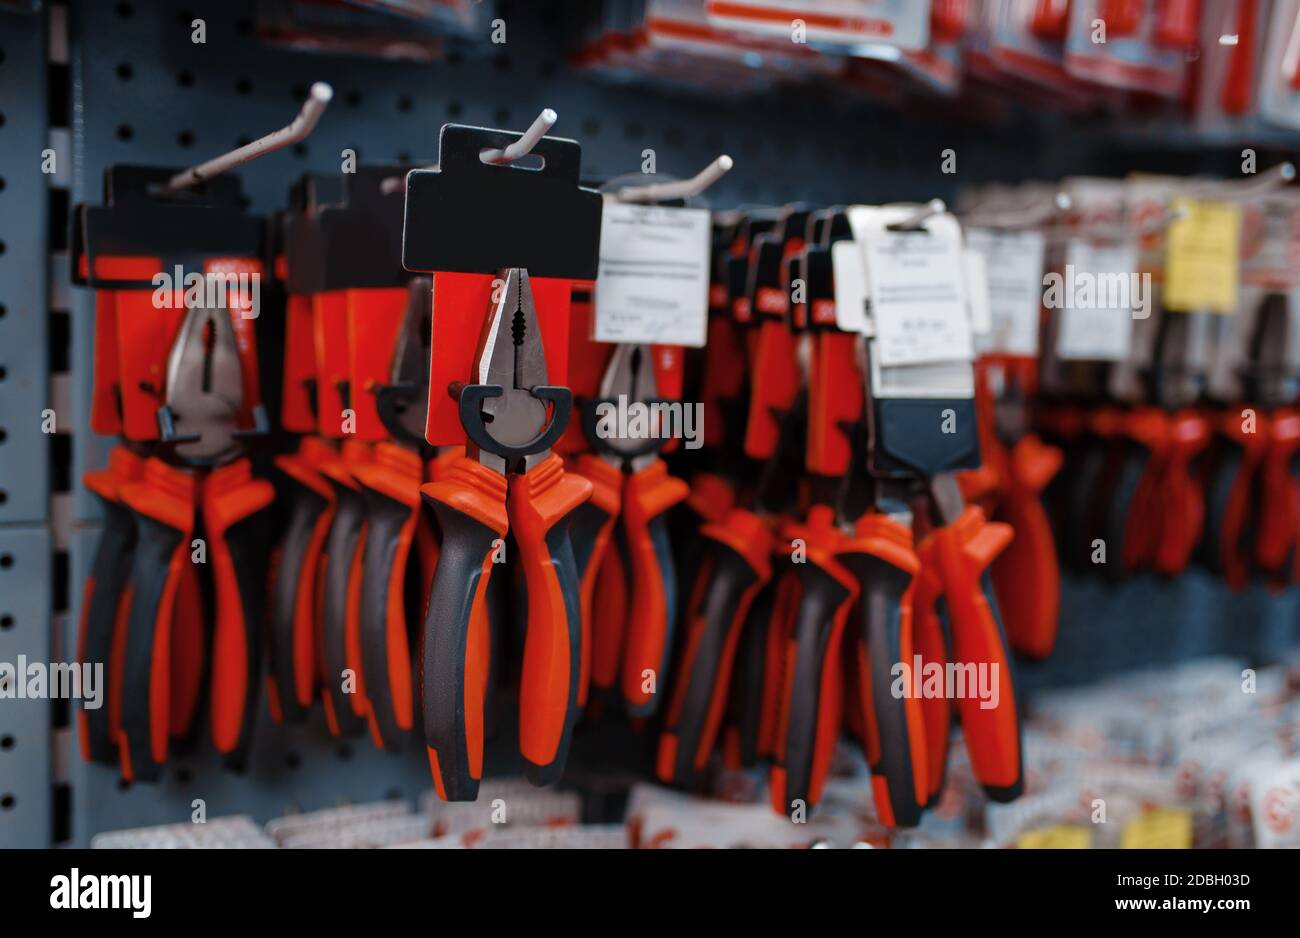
<point>1057,837</point>
<point>1203,259</point>
<point>1159,829</point>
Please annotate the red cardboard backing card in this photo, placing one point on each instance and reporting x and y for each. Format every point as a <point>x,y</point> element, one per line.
<point>330,329</point>
<point>299,365</point>
<point>374,321</point>
<point>460,303</point>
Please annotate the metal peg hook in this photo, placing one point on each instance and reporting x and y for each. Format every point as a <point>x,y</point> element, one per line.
<point>524,145</point>
<point>920,216</point>
<point>297,130</point>
<point>1033,216</point>
<point>1262,183</point>
<point>682,189</point>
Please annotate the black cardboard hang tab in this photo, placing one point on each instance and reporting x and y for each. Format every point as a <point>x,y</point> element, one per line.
<point>302,235</point>
<point>138,219</point>
<point>905,437</point>
<point>348,233</point>
<point>468,216</point>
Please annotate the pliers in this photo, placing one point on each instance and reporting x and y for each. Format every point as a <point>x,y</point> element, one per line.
<point>395,526</point>
<point>204,476</point>
<point>646,493</point>
<point>508,481</point>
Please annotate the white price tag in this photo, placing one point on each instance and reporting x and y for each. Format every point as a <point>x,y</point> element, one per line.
<point>977,292</point>
<point>850,275</point>
<point>652,284</point>
<point>1094,297</point>
<point>1014,264</point>
<point>918,297</point>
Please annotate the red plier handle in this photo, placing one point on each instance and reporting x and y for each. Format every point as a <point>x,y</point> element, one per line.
<point>882,558</point>
<point>735,566</point>
<point>964,550</point>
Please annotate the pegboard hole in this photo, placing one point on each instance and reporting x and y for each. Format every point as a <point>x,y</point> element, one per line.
<point>123,785</point>
<point>6,561</point>
<point>3,310</point>
<point>244,86</point>
<point>4,434</point>
<point>345,752</point>
<point>454,108</point>
<point>404,104</point>
<point>501,63</point>
<point>2,183</point>
<point>293,760</point>
<point>502,116</point>
<point>125,132</point>
<point>125,71</point>
<point>6,742</point>
<point>4,372</point>
<point>184,776</point>
<point>3,247</point>
<point>2,119</point>
<point>185,138</point>
<point>353,98</point>
<point>185,79</point>
<point>124,10</point>
<point>4,496</point>
<point>7,802</point>
<point>300,150</point>
<point>6,621</point>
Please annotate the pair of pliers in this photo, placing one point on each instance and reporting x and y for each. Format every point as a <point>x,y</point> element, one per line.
<point>903,624</point>
<point>631,479</point>
<point>204,477</point>
<point>397,532</point>
<point>508,481</point>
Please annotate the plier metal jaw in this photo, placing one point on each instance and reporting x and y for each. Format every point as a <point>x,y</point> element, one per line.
<point>505,413</point>
<point>204,390</point>
<point>403,404</point>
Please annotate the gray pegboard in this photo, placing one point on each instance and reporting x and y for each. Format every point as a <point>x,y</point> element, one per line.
<point>25,549</point>
<point>25,740</point>
<point>24,259</point>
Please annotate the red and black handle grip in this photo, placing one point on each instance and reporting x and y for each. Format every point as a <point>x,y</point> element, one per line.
<point>234,504</point>
<point>812,694</point>
<point>591,528</point>
<point>932,639</point>
<point>105,600</point>
<point>293,608</point>
<point>342,696</point>
<point>735,565</point>
<point>540,504</point>
<point>652,616</point>
<point>390,487</point>
<point>885,564</point>
<point>469,501</point>
<point>965,549</point>
<point>163,504</point>
<point>1026,575</point>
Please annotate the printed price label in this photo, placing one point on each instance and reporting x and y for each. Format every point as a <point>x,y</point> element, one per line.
<point>1095,298</point>
<point>1203,264</point>
<point>652,285</point>
<point>1160,829</point>
<point>918,297</point>
<point>1013,261</point>
<point>1057,837</point>
<point>850,274</point>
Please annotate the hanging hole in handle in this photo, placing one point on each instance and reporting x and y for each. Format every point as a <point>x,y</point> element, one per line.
<point>533,162</point>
